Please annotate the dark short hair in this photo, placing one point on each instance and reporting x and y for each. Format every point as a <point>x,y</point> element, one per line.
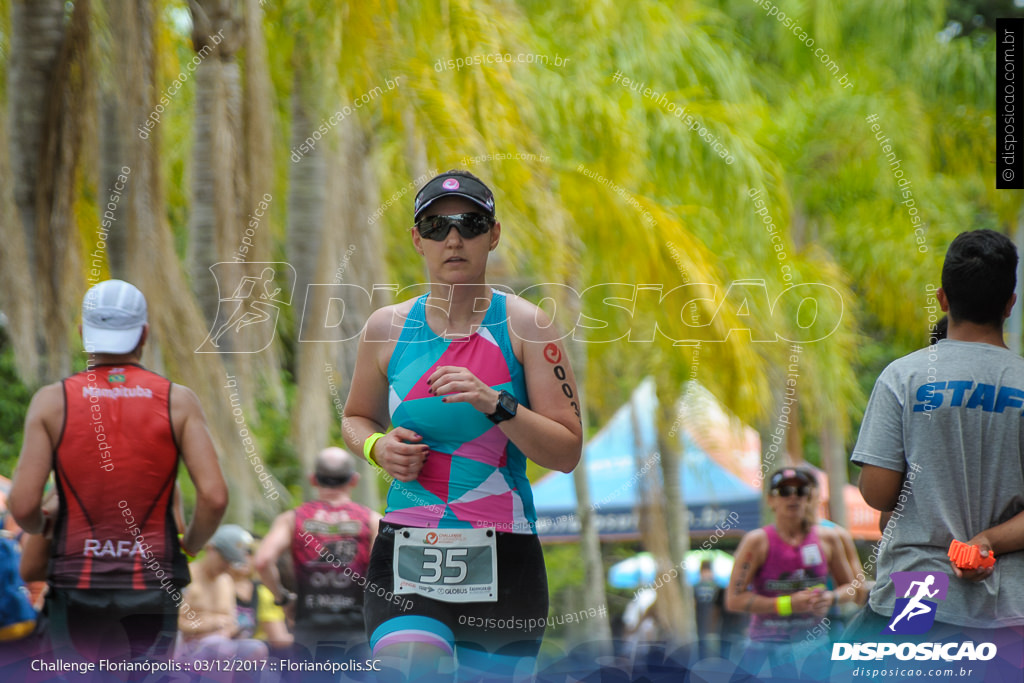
<point>329,482</point>
<point>940,331</point>
<point>333,474</point>
<point>979,276</point>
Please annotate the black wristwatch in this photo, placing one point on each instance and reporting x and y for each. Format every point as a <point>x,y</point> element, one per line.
<point>506,409</point>
<point>285,598</point>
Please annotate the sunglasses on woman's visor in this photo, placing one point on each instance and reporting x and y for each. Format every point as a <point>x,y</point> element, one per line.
<point>787,491</point>
<point>469,225</point>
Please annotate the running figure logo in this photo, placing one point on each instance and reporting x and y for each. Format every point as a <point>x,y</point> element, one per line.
<point>915,611</point>
<point>246,320</point>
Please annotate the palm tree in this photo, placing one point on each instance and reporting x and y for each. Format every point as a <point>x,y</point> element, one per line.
<point>215,213</point>
<point>112,56</point>
<point>47,82</point>
<point>233,182</point>
<point>628,206</point>
<point>175,318</point>
<point>256,196</point>
<point>18,309</point>
<point>306,233</point>
<point>354,256</point>
<point>843,189</point>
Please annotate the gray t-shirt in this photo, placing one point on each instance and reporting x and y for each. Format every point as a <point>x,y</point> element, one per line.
<point>950,417</point>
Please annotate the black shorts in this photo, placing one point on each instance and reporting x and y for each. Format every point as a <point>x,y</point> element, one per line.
<point>513,626</point>
<point>111,623</point>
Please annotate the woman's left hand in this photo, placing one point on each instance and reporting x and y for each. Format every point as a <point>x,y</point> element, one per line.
<point>459,385</point>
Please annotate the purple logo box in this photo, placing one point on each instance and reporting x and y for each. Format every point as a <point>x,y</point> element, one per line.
<point>902,581</point>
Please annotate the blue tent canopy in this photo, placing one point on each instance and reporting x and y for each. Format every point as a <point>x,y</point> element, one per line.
<point>622,460</point>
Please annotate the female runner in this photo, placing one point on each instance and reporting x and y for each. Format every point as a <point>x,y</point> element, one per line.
<point>473,382</point>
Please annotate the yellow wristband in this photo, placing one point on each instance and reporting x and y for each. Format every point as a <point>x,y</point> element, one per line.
<point>368,449</point>
<point>181,543</point>
<point>784,605</point>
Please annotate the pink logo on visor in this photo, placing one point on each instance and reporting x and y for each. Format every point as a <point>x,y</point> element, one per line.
<point>450,184</point>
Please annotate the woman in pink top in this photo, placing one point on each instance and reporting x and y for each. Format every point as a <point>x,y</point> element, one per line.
<point>779,578</point>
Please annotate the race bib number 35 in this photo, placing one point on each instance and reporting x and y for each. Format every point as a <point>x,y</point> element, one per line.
<point>453,565</point>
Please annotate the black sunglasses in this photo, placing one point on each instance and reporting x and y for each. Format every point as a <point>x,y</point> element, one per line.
<point>469,225</point>
<point>787,491</point>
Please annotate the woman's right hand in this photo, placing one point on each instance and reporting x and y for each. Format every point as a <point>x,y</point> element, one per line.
<point>401,454</point>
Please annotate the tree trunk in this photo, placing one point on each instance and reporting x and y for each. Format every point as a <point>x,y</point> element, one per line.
<point>218,189</point>
<point>224,200</point>
<point>257,167</point>
<point>590,543</point>
<point>49,74</point>
<point>833,461</point>
<point>677,518</point>
<point>794,433</point>
<point>214,220</point>
<point>37,32</point>
<point>112,163</point>
<point>651,515</point>
<point>307,195</point>
<point>16,300</point>
<point>258,147</point>
<point>176,323</point>
<point>774,436</point>
<point>115,132</point>
<point>590,553</point>
<point>357,258</point>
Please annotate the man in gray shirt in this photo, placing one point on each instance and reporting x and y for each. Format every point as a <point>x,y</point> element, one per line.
<point>942,451</point>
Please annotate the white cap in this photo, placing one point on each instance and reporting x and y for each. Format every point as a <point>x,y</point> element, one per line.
<point>113,315</point>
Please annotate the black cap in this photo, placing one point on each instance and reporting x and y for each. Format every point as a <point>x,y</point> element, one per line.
<point>453,184</point>
<point>789,474</point>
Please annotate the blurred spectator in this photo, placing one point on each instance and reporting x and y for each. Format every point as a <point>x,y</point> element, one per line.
<point>329,540</point>
<point>732,630</point>
<point>258,616</point>
<point>35,551</point>
<point>705,599</point>
<point>212,633</point>
<point>640,623</point>
<point>779,578</point>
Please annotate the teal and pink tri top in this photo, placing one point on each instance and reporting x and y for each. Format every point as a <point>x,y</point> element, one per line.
<point>473,476</point>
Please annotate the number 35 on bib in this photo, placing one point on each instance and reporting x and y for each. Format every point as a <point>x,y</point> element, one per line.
<point>451,565</point>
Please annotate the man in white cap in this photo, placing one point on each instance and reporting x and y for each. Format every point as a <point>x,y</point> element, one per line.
<point>113,434</point>
<point>329,540</point>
